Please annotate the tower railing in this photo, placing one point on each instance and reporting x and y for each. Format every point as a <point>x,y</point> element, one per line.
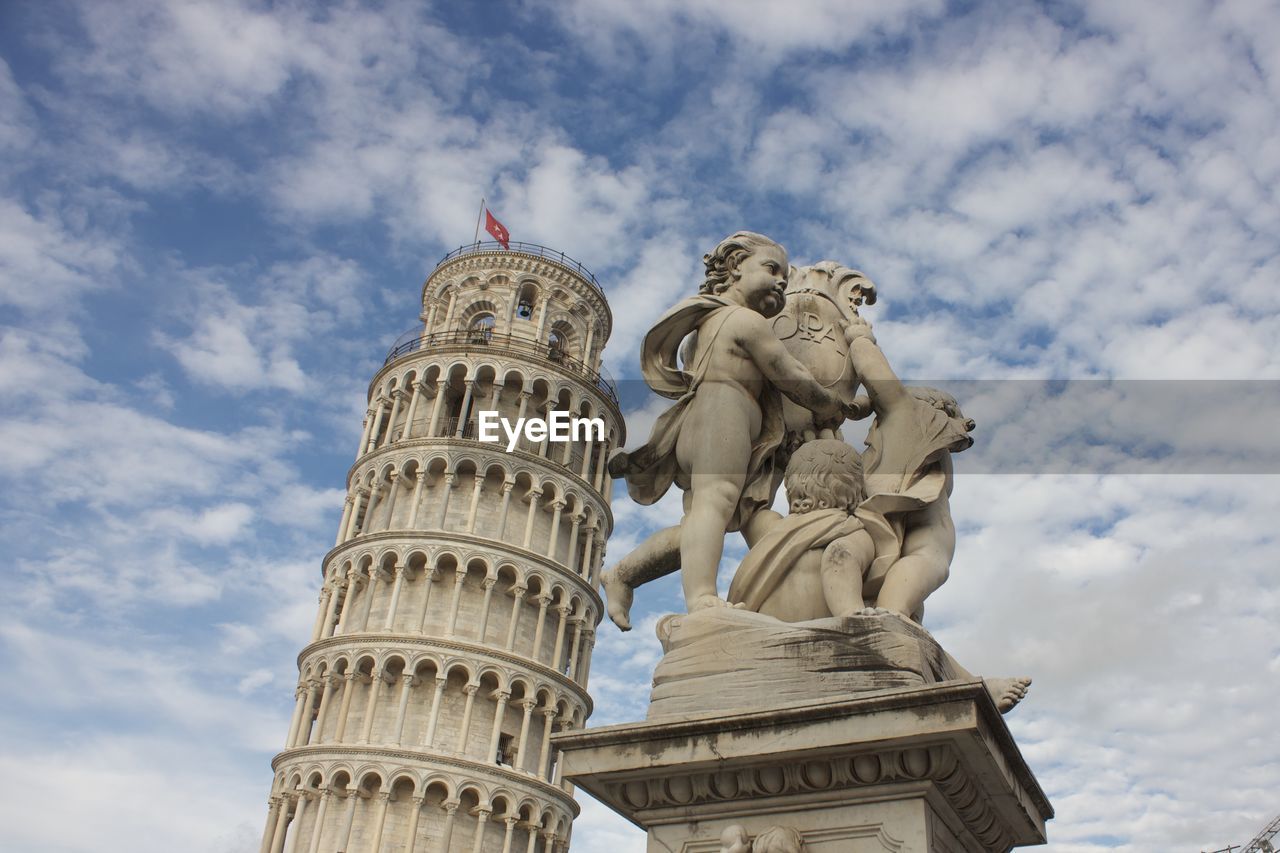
<point>545,252</point>
<point>541,351</point>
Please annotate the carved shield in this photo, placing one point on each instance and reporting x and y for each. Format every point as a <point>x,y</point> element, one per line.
<point>811,327</point>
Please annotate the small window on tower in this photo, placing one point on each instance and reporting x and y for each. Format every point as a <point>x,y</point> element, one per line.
<point>482,329</point>
<point>504,749</point>
<point>524,305</point>
<point>555,347</point>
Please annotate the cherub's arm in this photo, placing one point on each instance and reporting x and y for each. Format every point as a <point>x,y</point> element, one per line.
<point>784,370</point>
<point>883,385</point>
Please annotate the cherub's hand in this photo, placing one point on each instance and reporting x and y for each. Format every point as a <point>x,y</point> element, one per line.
<point>858,327</point>
<point>829,415</point>
<point>859,408</point>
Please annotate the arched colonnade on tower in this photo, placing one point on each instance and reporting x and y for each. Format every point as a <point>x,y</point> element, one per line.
<point>354,807</point>
<point>442,398</point>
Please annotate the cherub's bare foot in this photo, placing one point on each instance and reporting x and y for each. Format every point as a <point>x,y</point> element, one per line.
<point>618,597</point>
<point>1007,692</point>
<point>709,600</point>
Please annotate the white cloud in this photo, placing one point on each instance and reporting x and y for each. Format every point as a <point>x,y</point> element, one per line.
<point>1076,191</point>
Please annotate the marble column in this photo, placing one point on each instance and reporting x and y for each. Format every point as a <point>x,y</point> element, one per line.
<point>349,819</point>
<point>345,523</point>
<point>428,740</point>
<point>563,611</point>
<point>412,832</point>
<point>464,411</point>
<point>488,584</point>
<point>353,580</point>
<point>398,571</point>
<point>434,426</point>
<point>445,491</point>
<point>511,830</point>
<point>393,491</point>
<point>474,509</point>
<point>544,754</point>
<point>574,645</point>
<point>451,627</point>
<point>406,688</point>
<point>322,715</point>
<point>304,727</point>
<point>317,830</point>
<point>377,424</point>
<point>446,835</point>
<point>282,825</point>
<point>522,760</point>
<point>269,832</point>
<point>517,599</point>
<point>544,601</point>
<point>482,817</point>
<point>553,541</point>
<point>495,735</point>
<point>465,728</point>
<point>396,396</point>
<point>295,722</point>
<point>418,479</point>
<point>413,411</point>
<point>534,495</point>
<point>375,577</point>
<point>428,579</point>
<point>344,710</point>
<point>296,824</point>
<point>584,570</point>
<point>571,558</point>
<point>501,532</point>
<point>371,706</point>
<point>380,821</point>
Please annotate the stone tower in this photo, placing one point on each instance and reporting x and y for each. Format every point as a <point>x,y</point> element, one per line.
<point>459,604</point>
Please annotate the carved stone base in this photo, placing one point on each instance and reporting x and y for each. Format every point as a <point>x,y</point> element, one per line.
<point>736,660</point>
<point>929,769</point>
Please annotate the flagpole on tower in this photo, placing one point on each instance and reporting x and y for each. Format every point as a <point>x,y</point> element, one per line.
<point>479,216</point>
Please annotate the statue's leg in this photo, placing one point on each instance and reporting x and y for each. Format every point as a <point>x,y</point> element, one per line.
<point>716,457</point>
<point>843,563</point>
<point>1005,692</point>
<point>655,557</point>
<point>758,525</point>
<point>927,549</point>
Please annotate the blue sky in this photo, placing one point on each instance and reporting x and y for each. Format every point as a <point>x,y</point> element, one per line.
<point>215,217</point>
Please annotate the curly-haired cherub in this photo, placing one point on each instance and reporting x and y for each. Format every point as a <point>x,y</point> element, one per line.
<point>719,439</point>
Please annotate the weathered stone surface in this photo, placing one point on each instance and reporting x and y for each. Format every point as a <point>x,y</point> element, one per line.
<point>929,769</point>
<point>727,659</point>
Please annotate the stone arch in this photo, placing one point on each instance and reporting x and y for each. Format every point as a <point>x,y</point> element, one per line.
<point>340,776</point>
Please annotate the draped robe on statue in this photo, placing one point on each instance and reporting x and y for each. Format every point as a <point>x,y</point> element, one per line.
<point>651,468</point>
<point>892,495</point>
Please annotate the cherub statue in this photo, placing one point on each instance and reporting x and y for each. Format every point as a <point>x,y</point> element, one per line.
<point>718,441</point>
<point>816,561</point>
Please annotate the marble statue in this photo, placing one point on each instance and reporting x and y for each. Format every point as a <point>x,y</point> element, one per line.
<point>719,441</point>
<point>773,359</point>
<point>809,711</point>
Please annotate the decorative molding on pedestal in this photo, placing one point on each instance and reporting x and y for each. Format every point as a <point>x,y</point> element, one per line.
<point>930,768</point>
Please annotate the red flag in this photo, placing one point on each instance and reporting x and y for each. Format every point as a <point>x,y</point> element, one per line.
<point>497,229</point>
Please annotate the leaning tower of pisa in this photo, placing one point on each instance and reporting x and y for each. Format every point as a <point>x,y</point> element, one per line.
<point>459,605</point>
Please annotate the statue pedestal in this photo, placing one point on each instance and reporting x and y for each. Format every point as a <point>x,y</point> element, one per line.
<point>928,769</point>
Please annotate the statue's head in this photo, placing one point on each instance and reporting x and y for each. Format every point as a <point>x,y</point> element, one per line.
<point>754,266</point>
<point>824,474</point>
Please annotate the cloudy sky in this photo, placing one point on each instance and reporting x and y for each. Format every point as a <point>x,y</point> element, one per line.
<point>215,217</point>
